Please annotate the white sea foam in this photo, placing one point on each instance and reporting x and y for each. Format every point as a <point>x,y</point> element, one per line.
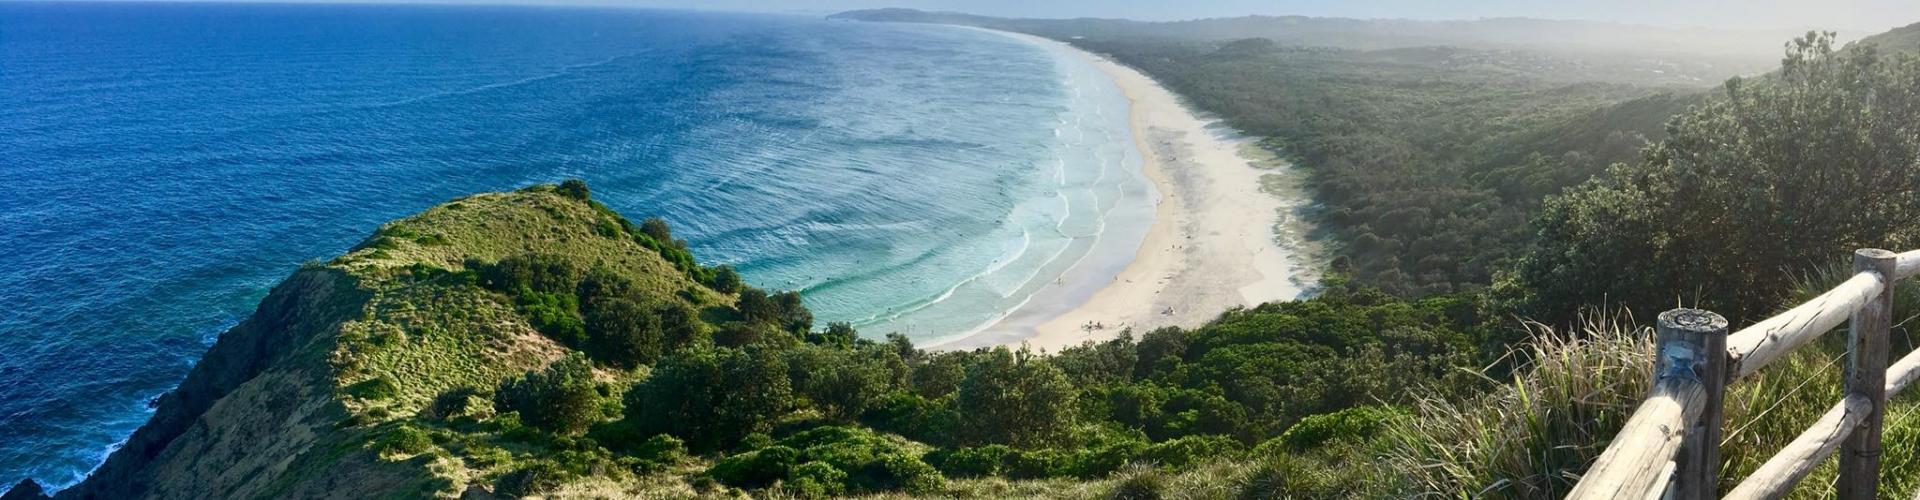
<point>1080,219</point>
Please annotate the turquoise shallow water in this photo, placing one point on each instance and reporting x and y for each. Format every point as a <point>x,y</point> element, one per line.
<point>164,164</point>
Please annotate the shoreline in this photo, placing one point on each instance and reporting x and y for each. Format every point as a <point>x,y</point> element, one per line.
<point>1219,214</point>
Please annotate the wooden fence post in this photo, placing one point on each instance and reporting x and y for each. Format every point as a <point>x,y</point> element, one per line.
<point>1693,343</point>
<point>1866,375</point>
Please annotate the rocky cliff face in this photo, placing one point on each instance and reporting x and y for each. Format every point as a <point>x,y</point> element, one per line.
<point>295,401</point>
<point>254,412</point>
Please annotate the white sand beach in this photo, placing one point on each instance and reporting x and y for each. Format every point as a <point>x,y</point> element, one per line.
<point>1224,233</point>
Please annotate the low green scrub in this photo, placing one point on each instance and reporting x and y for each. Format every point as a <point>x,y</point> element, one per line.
<point>857,460</point>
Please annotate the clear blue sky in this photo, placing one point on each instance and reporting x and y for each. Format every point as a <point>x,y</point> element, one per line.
<point>1873,15</point>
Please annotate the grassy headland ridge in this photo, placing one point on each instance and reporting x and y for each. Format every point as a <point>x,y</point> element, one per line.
<point>536,343</point>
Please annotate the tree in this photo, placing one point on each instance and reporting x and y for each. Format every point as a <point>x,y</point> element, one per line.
<point>623,334</point>
<point>841,383</point>
<point>538,272</point>
<point>656,228</point>
<point>573,188</point>
<point>1159,350</point>
<point>838,334</point>
<point>681,326</point>
<point>745,333</point>
<point>711,397</point>
<point>758,307</point>
<point>794,315</point>
<point>1100,363</point>
<point>562,398</point>
<point>1794,170</point>
<point>601,282</point>
<point>1014,398</point>
<point>940,374</point>
<point>726,280</point>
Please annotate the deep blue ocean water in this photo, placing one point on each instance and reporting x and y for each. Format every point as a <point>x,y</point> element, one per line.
<point>163,165</point>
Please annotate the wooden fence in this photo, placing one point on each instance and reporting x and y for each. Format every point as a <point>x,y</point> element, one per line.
<point>1670,446</point>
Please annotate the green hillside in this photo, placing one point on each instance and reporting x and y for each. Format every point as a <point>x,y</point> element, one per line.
<point>535,343</point>
<point>1906,39</point>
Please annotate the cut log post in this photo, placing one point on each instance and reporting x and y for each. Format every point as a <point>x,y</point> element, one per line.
<point>1650,451</point>
<point>1866,376</point>
<point>1704,335</point>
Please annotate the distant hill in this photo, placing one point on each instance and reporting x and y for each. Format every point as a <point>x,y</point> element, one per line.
<point>1905,39</point>
<point>1741,48</point>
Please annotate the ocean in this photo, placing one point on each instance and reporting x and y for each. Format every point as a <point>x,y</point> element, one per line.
<point>162,165</point>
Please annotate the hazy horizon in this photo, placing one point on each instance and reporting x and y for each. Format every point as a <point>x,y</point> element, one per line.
<point>1843,15</point>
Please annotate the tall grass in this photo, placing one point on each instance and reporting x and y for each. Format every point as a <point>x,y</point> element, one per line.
<point>1533,437</point>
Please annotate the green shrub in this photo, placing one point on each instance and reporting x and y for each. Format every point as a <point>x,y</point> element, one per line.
<point>532,479</point>
<point>755,469</point>
<point>1098,461</point>
<point>725,280</point>
<point>841,383</point>
<point>603,283</point>
<point>622,333</point>
<point>681,327</point>
<point>1014,398</point>
<point>1092,363</point>
<point>545,273</point>
<point>562,398</point>
<point>656,228</point>
<point>939,375</point>
<point>816,480</point>
<point>901,472</point>
<point>573,188</point>
<point>1145,484</point>
<point>662,448</point>
<point>405,440</point>
<point>377,388</point>
<point>747,333</point>
<point>1352,425</point>
<point>838,334</point>
<point>557,315</point>
<point>459,403</point>
<point>972,462</point>
<point>711,397</point>
<point>1190,450</point>
<point>1034,464</point>
<point>913,416</point>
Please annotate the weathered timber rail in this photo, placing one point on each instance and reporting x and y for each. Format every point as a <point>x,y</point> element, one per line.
<point>1670,446</point>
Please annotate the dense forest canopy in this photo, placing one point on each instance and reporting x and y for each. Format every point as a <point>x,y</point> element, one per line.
<point>1748,192</point>
<point>1429,160</point>
<point>1680,50</point>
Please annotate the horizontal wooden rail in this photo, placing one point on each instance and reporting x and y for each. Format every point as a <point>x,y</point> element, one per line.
<point>1670,445</point>
<point>1906,265</point>
<point>1658,429</point>
<point>1774,478</point>
<point>1753,347</point>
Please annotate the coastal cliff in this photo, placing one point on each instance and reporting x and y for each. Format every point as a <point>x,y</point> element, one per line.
<point>535,343</point>
<point>291,402</point>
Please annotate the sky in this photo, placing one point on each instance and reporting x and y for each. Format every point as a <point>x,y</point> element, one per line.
<point>1873,15</point>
